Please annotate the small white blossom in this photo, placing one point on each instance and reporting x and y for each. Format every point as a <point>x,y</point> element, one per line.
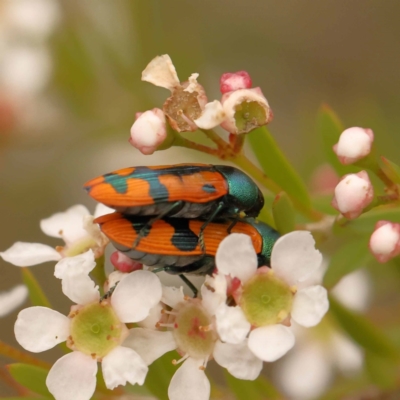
<point>385,241</point>
<point>148,131</point>
<point>73,376</point>
<point>269,297</point>
<point>352,194</point>
<point>324,349</point>
<point>75,226</point>
<point>354,143</point>
<point>191,331</point>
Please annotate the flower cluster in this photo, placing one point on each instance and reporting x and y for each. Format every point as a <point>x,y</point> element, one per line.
<point>241,319</point>
<point>240,110</point>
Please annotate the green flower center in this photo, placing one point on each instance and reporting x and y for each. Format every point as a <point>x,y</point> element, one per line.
<point>193,331</point>
<point>96,330</point>
<point>249,115</point>
<point>266,300</point>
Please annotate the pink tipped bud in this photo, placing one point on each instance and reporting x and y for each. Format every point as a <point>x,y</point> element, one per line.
<point>245,110</point>
<point>385,241</point>
<point>148,131</point>
<point>123,263</point>
<point>352,194</point>
<point>354,144</point>
<point>234,81</point>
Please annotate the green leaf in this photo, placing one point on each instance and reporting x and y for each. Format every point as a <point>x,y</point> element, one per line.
<point>36,294</point>
<point>277,167</point>
<point>348,258</point>
<point>260,389</point>
<point>329,128</point>
<point>391,169</point>
<point>31,377</point>
<point>363,331</point>
<point>160,374</point>
<point>365,223</point>
<point>283,212</point>
<point>382,372</point>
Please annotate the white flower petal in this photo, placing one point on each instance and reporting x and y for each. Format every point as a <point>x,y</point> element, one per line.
<point>123,365</point>
<point>149,343</point>
<point>101,210</point>
<point>161,72</point>
<point>353,290</point>
<point>213,292</point>
<point>310,305</point>
<point>294,257</point>
<point>73,376</point>
<point>24,254</point>
<point>189,382</point>
<point>12,299</point>
<point>236,256</point>
<point>154,316</point>
<point>305,372</point>
<point>238,360</point>
<point>76,283</point>
<point>213,114</point>
<point>346,354</point>
<point>135,295</point>
<point>232,325</point>
<point>39,328</point>
<point>67,225</point>
<point>172,296</point>
<point>271,342</point>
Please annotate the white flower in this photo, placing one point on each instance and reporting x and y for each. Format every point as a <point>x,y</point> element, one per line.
<point>93,330</point>
<point>309,368</point>
<point>352,194</point>
<point>385,241</point>
<point>354,143</point>
<point>187,108</point>
<point>12,299</point>
<point>191,331</point>
<point>245,110</point>
<point>148,131</point>
<point>75,226</point>
<point>267,298</point>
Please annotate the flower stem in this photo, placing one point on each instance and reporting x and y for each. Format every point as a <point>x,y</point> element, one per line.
<point>18,355</point>
<point>183,142</point>
<point>215,138</point>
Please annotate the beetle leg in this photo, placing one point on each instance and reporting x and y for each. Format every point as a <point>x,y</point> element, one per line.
<point>144,231</point>
<point>109,293</point>
<point>233,223</point>
<point>190,285</point>
<point>209,219</point>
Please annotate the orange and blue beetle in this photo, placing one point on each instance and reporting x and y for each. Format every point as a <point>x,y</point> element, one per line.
<point>181,191</point>
<point>173,243</point>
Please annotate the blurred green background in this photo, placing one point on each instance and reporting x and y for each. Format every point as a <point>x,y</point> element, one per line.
<point>65,117</point>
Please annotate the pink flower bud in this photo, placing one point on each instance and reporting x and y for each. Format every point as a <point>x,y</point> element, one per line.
<point>148,131</point>
<point>123,263</point>
<point>354,144</point>
<point>234,81</point>
<point>245,110</point>
<point>352,194</point>
<point>385,241</point>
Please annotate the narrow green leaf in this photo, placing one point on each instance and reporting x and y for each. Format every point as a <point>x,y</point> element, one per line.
<point>363,331</point>
<point>36,294</point>
<point>160,374</point>
<point>382,372</point>
<point>348,258</point>
<point>391,169</point>
<point>283,212</point>
<point>260,389</point>
<point>31,377</point>
<point>277,167</point>
<point>365,223</point>
<point>329,128</point>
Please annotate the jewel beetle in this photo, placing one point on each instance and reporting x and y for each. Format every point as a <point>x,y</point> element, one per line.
<point>173,243</point>
<point>181,190</point>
